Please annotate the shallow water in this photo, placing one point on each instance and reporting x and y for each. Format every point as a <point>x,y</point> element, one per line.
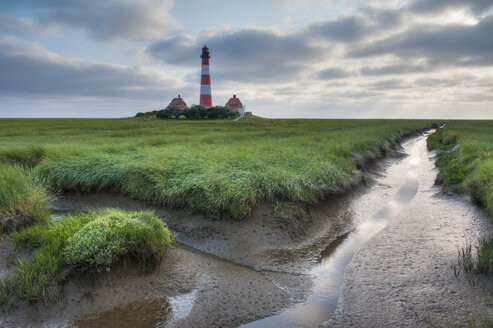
<point>154,312</point>
<point>329,273</point>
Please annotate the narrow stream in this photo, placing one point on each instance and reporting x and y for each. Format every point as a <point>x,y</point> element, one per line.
<point>329,273</point>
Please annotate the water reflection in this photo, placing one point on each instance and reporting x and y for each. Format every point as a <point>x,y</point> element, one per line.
<point>146,313</point>
<point>329,272</point>
<point>156,312</point>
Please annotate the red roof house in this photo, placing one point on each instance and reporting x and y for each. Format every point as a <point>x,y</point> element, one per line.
<point>178,102</point>
<point>234,103</point>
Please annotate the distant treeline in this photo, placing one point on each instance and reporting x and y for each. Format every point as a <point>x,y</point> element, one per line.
<point>196,112</point>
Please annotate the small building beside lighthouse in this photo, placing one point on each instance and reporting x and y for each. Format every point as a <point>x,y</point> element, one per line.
<point>178,102</point>
<point>235,104</point>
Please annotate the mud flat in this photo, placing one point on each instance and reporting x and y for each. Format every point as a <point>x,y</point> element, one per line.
<point>188,289</point>
<point>403,276</point>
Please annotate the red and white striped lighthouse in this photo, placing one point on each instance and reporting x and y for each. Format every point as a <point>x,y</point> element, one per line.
<point>205,80</point>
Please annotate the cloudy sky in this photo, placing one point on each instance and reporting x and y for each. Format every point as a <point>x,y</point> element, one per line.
<point>283,58</point>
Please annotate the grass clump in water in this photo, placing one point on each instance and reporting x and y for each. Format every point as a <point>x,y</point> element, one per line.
<point>89,241</point>
<point>23,197</point>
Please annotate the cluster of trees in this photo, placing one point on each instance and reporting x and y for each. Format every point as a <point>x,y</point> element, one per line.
<point>196,112</point>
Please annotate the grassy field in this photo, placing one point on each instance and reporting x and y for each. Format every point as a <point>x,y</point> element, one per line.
<point>469,168</point>
<point>213,167</point>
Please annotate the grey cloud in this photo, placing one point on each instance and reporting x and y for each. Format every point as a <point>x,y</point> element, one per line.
<point>356,95</point>
<point>434,82</point>
<point>370,23</point>
<point>394,69</point>
<point>28,69</point>
<point>458,45</point>
<point>333,74</point>
<point>346,29</point>
<point>387,85</point>
<point>247,55</point>
<point>109,19</point>
<point>14,24</point>
<point>438,6</point>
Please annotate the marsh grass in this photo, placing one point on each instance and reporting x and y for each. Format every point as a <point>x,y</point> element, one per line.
<point>475,265</point>
<point>469,168</point>
<point>89,242</point>
<point>480,320</point>
<point>213,167</point>
<point>23,197</point>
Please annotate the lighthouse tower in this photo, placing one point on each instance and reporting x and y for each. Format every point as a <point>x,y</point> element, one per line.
<point>205,80</point>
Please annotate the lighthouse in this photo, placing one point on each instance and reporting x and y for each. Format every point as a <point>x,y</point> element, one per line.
<point>205,80</point>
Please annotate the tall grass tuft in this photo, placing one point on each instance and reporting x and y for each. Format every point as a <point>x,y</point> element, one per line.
<point>23,197</point>
<point>469,167</point>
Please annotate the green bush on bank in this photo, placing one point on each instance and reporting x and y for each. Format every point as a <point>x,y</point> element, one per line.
<point>116,234</point>
<point>23,197</point>
<point>89,241</point>
<point>196,112</point>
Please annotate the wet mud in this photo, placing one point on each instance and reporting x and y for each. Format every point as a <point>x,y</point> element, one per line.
<point>377,255</point>
<point>188,289</point>
<point>404,275</point>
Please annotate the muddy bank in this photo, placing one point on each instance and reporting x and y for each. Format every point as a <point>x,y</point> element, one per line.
<point>188,289</point>
<point>287,239</point>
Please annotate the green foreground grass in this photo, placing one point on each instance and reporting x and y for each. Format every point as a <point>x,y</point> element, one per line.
<point>213,167</point>
<point>467,166</point>
<point>85,242</point>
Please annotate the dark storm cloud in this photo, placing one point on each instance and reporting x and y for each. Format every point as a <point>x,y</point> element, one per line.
<point>108,19</point>
<point>29,69</point>
<point>332,74</point>
<point>458,45</point>
<point>246,55</point>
